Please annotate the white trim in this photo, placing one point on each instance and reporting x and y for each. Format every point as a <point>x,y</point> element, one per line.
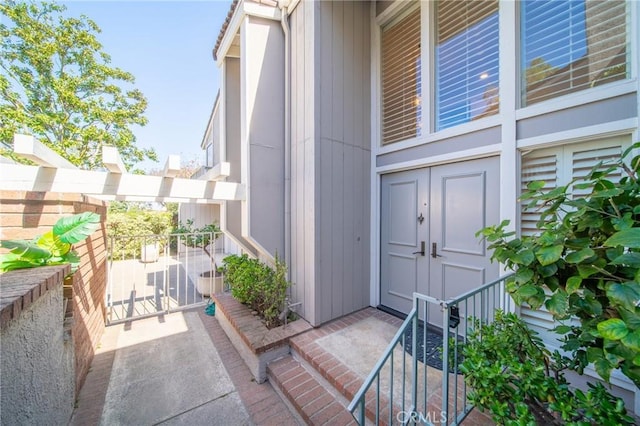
<point>582,97</point>
<point>469,154</point>
<point>375,84</point>
<point>292,6</point>
<point>508,84</point>
<point>261,11</point>
<point>246,110</point>
<point>428,69</point>
<point>230,33</point>
<point>244,9</point>
<point>612,128</point>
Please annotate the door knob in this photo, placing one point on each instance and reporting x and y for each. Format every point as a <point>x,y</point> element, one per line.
<point>422,244</point>
<point>434,250</point>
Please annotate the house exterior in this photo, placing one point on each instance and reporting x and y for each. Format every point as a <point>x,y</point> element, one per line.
<point>374,138</point>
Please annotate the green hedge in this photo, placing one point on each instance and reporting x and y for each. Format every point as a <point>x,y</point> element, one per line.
<point>262,288</point>
<point>136,223</point>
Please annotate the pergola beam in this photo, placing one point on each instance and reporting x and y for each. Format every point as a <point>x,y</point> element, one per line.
<point>112,160</point>
<point>29,147</point>
<point>172,166</point>
<point>118,186</point>
<point>218,172</point>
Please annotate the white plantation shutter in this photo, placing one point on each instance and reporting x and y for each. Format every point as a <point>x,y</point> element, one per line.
<point>401,85</point>
<point>543,168</point>
<point>558,166</point>
<point>572,45</point>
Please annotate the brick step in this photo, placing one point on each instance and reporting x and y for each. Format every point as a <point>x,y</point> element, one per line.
<point>309,395</point>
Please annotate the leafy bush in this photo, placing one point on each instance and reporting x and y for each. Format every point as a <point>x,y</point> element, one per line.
<point>52,248</point>
<point>257,285</point>
<point>196,237</point>
<point>136,223</point>
<point>584,264</point>
<point>514,376</point>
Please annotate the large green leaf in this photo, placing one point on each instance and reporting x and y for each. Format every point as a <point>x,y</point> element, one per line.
<point>573,284</point>
<point>626,238</point>
<point>76,228</point>
<point>579,256</point>
<point>558,304</point>
<point>613,329</point>
<point>27,250</point>
<point>632,340</point>
<point>53,244</point>
<point>549,255</point>
<point>631,259</point>
<point>625,294</point>
<point>523,275</point>
<point>10,262</point>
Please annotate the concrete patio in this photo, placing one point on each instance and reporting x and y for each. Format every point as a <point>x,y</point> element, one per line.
<point>181,368</point>
<point>174,369</point>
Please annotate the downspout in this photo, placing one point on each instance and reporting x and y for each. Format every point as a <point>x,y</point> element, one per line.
<point>284,21</point>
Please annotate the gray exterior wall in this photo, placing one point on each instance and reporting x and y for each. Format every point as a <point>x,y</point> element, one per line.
<point>37,365</point>
<point>444,146</point>
<point>604,111</point>
<point>264,131</point>
<point>330,157</point>
<point>232,126</point>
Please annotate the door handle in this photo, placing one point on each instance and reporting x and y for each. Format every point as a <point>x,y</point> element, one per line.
<point>422,244</point>
<point>434,250</point>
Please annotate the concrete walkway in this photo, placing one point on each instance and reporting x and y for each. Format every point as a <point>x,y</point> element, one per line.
<point>174,369</point>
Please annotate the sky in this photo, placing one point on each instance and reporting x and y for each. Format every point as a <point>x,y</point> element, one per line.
<point>167,46</point>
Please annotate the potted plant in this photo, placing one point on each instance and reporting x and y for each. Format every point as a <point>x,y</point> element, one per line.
<point>208,281</point>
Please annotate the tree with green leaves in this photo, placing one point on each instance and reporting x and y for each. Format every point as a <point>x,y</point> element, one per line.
<point>584,264</point>
<point>57,84</point>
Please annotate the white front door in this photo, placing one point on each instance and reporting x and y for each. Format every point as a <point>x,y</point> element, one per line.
<point>444,207</point>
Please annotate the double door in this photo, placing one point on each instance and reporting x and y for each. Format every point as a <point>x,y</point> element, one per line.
<point>429,218</point>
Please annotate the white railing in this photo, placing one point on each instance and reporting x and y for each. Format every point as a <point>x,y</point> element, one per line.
<point>156,274</point>
<point>417,378</point>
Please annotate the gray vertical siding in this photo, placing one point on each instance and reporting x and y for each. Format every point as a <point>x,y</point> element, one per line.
<point>232,125</point>
<point>330,136</point>
<point>265,133</point>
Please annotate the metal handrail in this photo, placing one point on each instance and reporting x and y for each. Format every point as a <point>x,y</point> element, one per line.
<point>410,414</point>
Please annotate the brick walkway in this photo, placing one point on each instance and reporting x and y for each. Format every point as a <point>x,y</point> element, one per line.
<point>262,402</point>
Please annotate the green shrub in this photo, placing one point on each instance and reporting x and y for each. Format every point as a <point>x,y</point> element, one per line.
<point>196,237</point>
<point>136,223</point>
<point>514,376</point>
<point>584,264</point>
<point>258,286</point>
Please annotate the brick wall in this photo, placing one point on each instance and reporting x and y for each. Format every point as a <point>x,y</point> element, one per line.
<point>24,215</point>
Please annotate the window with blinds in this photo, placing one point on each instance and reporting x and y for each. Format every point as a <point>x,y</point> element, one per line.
<point>401,85</point>
<point>466,61</point>
<point>571,45</point>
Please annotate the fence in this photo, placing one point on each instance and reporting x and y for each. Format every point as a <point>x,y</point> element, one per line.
<point>417,379</point>
<point>157,274</point>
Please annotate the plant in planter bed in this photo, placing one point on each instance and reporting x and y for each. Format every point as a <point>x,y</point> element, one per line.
<point>520,382</point>
<point>255,284</point>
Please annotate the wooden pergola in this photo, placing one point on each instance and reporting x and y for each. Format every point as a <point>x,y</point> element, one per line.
<point>55,174</point>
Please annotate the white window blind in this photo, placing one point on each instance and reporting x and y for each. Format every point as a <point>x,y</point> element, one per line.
<point>401,85</point>
<point>467,52</point>
<point>571,45</point>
